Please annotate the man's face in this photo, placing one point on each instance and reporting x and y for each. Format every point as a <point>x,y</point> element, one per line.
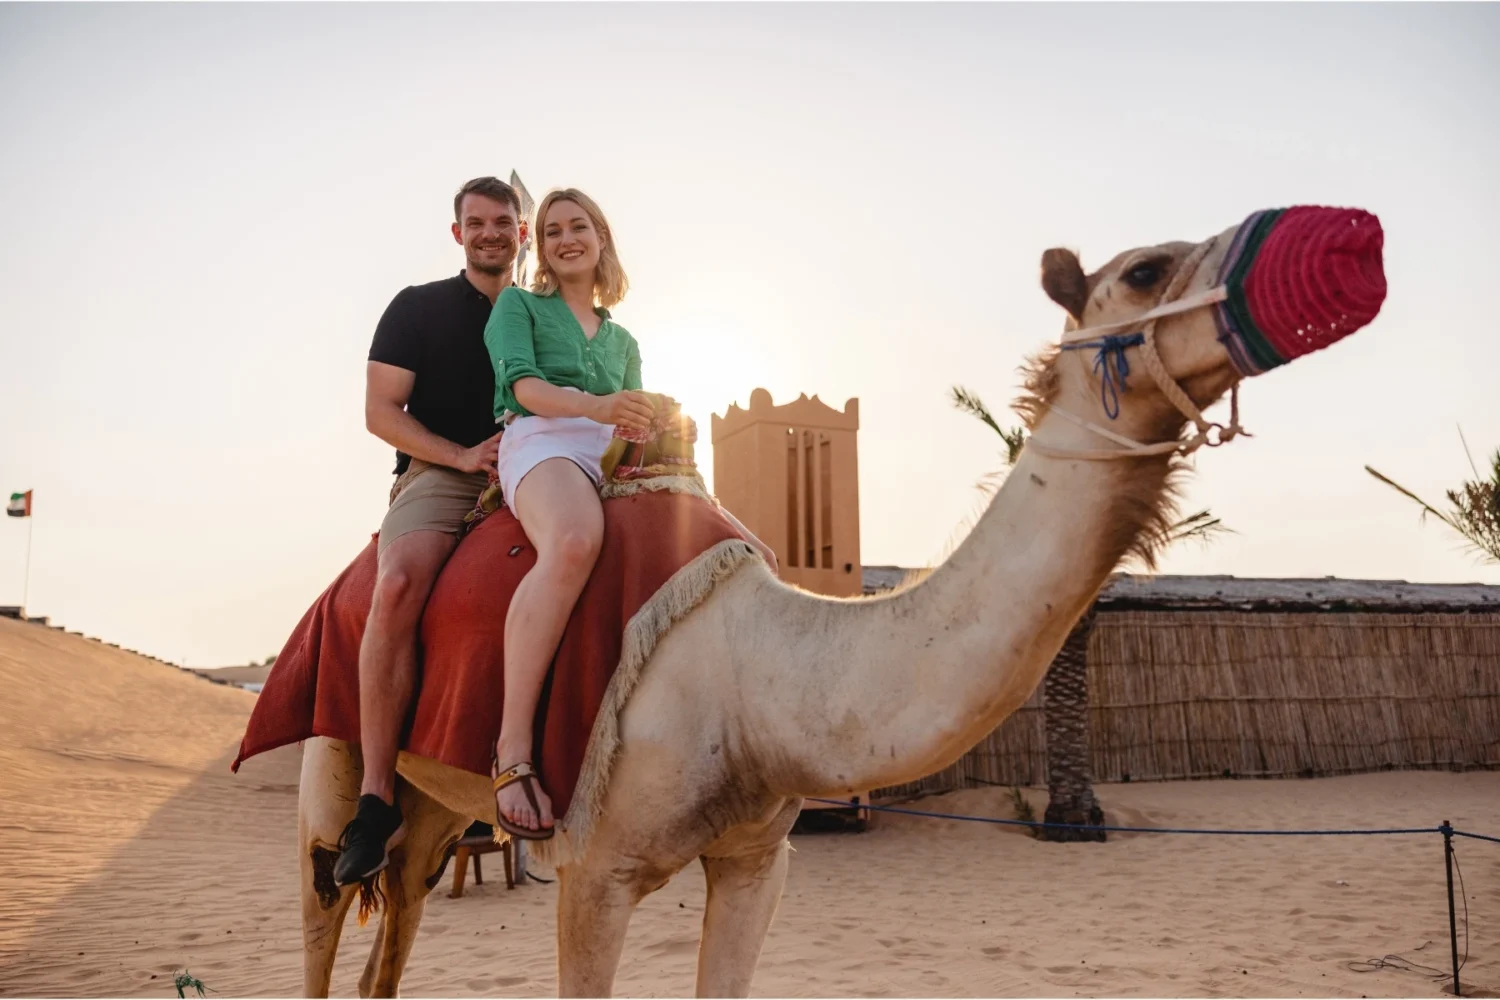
<point>490,233</point>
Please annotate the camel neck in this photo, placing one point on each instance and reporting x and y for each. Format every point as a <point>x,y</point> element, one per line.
<point>915,679</point>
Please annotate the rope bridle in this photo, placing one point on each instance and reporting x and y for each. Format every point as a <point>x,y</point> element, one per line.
<point>1113,366</point>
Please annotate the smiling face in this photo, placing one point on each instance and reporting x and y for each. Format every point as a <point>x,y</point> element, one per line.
<point>570,242</point>
<point>577,247</point>
<point>490,231</point>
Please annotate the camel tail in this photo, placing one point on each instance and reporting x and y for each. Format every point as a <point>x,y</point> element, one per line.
<point>371,897</point>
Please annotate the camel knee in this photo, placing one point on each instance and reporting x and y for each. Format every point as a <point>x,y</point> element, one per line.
<point>747,869</point>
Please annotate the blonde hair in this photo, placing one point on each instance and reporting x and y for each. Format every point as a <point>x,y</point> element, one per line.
<point>610,283</point>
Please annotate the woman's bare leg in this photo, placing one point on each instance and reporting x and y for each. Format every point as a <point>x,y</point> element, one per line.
<point>559,508</point>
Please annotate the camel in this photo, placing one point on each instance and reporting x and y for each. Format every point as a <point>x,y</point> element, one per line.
<point>763,695</point>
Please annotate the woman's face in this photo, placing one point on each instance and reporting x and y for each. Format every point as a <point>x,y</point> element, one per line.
<point>570,241</point>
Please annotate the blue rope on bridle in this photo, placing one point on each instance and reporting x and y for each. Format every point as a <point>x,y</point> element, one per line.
<point>1111,348</point>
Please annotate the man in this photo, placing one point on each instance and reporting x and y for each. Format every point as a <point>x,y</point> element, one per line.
<point>429,393</point>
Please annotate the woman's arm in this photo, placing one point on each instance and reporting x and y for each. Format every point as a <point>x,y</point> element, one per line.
<point>510,337</point>
<point>632,365</point>
<point>544,399</point>
<point>629,407</point>
<point>626,409</point>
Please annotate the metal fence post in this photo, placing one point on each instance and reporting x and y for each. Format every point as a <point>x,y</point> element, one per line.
<point>1447,831</point>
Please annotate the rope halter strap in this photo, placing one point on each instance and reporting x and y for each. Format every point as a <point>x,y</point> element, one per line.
<point>1112,365</point>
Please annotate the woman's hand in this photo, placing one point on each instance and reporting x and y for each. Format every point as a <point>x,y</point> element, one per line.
<point>629,409</point>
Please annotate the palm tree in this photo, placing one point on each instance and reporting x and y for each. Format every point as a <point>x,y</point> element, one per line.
<point>1475,512</point>
<point>1065,689</point>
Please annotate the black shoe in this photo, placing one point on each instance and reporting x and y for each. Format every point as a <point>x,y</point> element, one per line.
<point>364,847</point>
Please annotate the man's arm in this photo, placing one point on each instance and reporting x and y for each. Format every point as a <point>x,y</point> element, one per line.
<point>387,389</point>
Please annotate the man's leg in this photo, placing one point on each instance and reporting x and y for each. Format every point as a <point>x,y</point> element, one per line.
<point>388,655</point>
<point>408,567</point>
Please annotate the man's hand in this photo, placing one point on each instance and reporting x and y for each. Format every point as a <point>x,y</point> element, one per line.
<point>480,458</point>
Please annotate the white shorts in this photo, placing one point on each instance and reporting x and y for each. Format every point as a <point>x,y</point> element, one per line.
<point>530,441</point>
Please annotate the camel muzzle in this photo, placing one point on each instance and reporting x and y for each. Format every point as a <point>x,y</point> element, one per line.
<point>1297,280</point>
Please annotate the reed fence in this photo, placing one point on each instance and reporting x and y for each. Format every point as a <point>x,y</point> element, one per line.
<point>1210,694</point>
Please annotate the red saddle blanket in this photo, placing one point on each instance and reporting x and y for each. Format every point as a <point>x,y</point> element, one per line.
<point>313,689</point>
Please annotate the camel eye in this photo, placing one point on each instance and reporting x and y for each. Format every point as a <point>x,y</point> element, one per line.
<point>1143,275</point>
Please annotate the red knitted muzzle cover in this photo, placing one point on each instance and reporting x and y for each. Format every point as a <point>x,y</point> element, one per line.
<point>1298,279</point>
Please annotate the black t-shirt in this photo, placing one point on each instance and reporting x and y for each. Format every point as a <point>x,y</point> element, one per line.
<point>437,331</point>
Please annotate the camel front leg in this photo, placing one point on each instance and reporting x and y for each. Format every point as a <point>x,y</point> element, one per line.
<point>746,873</point>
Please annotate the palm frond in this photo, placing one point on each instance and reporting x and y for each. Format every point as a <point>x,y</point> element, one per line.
<point>1200,527</point>
<point>1476,509</point>
<point>1015,440</point>
<point>1467,453</point>
<point>971,404</point>
<point>1427,508</point>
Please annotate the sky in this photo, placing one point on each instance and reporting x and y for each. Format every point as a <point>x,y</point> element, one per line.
<point>206,208</point>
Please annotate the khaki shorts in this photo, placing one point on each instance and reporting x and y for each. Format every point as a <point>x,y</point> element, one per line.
<point>429,497</point>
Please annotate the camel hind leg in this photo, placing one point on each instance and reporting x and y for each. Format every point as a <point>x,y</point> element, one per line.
<point>415,868</point>
<point>327,798</point>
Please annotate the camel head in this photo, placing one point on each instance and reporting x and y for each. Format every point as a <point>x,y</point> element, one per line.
<point>1200,317</point>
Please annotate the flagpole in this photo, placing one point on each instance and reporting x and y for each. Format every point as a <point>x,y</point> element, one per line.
<point>26,586</point>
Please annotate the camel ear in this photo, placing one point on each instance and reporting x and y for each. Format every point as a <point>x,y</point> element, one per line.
<point>1064,282</point>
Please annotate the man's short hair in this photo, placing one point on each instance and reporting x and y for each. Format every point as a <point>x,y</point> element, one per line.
<point>490,187</point>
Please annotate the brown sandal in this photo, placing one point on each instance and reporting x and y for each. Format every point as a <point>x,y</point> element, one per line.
<point>526,775</point>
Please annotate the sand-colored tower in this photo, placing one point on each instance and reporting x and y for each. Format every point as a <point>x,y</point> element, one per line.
<point>791,474</point>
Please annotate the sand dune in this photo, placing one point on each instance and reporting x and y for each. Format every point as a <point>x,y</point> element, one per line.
<point>133,852</point>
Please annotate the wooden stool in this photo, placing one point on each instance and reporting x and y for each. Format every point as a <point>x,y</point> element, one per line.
<point>474,846</point>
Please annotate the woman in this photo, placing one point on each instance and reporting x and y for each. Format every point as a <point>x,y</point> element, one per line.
<point>565,376</point>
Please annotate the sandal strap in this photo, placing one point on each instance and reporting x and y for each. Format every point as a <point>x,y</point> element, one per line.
<point>511,775</point>
<point>528,785</point>
<point>524,773</point>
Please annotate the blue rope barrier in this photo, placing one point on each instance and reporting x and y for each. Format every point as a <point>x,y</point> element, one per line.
<point>1476,836</point>
<point>1153,829</point>
<point>1445,829</point>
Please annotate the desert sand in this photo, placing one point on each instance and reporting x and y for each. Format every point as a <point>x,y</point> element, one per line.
<point>131,852</point>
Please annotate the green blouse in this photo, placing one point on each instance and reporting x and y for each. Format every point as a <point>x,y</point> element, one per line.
<point>537,336</point>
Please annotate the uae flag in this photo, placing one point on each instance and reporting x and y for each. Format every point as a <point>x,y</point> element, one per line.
<point>20,505</point>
